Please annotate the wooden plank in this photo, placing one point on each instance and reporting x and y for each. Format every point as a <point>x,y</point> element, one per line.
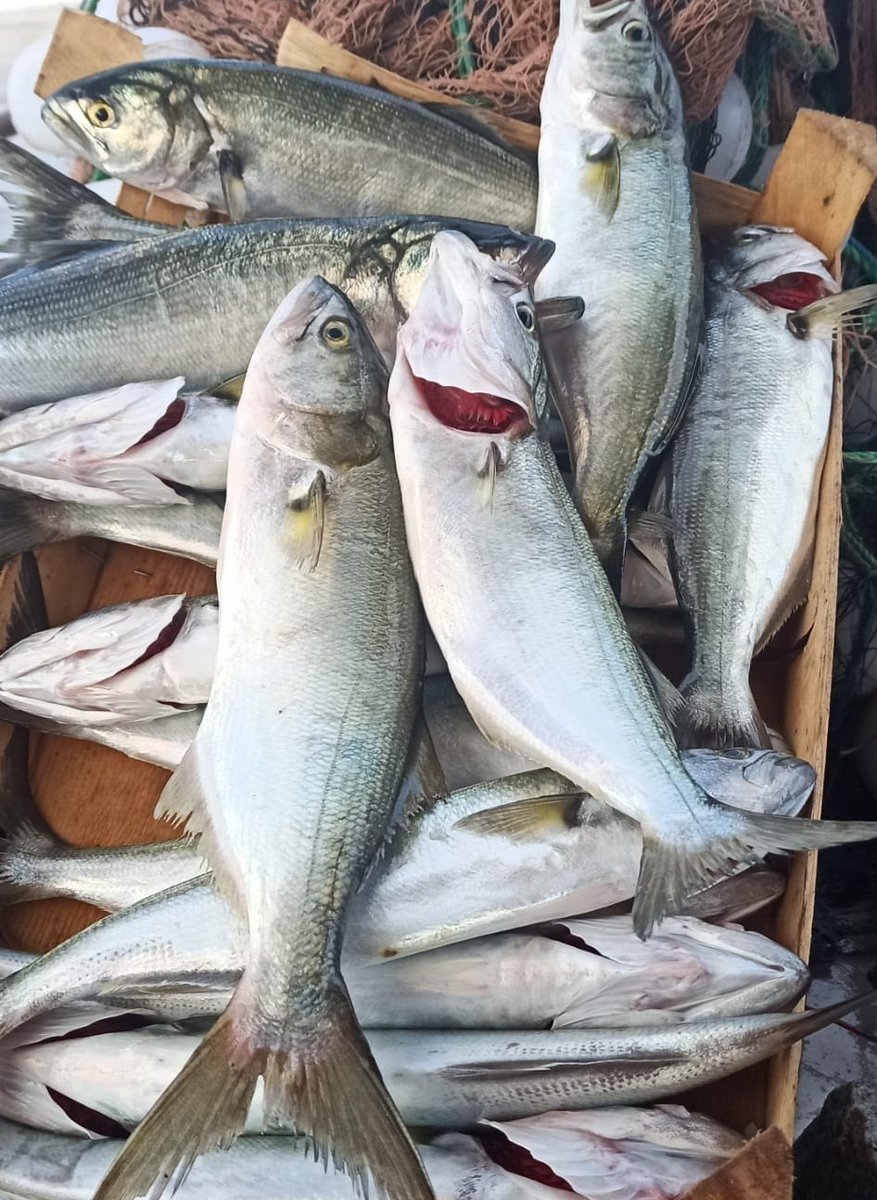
<point>720,205</point>
<point>763,1170</point>
<point>81,45</point>
<point>828,167</point>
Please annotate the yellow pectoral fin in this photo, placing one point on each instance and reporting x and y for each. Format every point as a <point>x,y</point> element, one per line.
<point>304,522</point>
<point>601,178</point>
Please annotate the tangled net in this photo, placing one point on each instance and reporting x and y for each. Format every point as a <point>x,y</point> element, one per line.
<point>496,51</point>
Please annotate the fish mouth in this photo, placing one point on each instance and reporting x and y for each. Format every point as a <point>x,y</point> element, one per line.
<point>792,291</point>
<point>518,1160</point>
<point>170,418</point>
<point>472,412</point>
<point>598,12</point>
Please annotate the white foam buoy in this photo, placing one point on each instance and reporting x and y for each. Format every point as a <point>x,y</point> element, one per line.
<point>733,131</point>
<point>24,107</point>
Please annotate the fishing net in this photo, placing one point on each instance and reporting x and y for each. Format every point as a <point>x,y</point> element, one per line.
<point>496,52</point>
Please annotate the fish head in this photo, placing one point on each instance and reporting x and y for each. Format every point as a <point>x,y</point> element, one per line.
<point>521,252</point>
<point>775,267</point>
<point>316,386</point>
<point>468,363</point>
<point>757,780</point>
<point>614,70</point>
<point>138,123</point>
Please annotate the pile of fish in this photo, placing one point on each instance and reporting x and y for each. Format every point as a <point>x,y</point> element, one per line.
<point>457,895</point>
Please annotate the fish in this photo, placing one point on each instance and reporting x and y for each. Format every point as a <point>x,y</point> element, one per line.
<point>466,756</point>
<point>615,195</point>
<point>188,530</point>
<point>739,487</point>
<point>579,973</point>
<point>513,1160</point>
<point>448,1079</point>
<point>169,304</point>
<point>51,217</point>
<point>534,638</point>
<point>622,1153</point>
<point>256,140</point>
<point>427,889</point>
<point>138,444</point>
<point>135,661</point>
<point>313,545</point>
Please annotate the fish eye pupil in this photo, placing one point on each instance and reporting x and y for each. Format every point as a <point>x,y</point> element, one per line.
<point>335,334</point>
<point>525,316</point>
<point>101,114</point>
<point>636,32</point>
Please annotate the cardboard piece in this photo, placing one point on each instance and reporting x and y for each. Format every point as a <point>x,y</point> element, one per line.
<point>720,205</point>
<point>763,1170</point>
<point>83,44</point>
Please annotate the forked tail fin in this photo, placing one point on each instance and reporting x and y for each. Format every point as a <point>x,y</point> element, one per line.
<point>675,864</point>
<point>26,837</point>
<point>327,1088</point>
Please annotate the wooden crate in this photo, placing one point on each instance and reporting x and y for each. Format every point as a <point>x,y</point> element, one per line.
<point>93,796</point>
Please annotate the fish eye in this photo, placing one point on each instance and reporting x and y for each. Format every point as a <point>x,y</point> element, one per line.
<point>100,113</point>
<point>636,32</point>
<point>336,334</point>
<point>526,315</point>
<point>737,753</point>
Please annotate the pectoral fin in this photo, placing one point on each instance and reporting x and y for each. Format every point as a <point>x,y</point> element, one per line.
<point>488,472</point>
<point>601,178</point>
<point>231,175</point>
<point>525,820</point>
<point>304,516</point>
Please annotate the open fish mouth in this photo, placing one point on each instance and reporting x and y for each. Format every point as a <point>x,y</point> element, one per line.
<point>794,290</point>
<point>169,419</point>
<point>518,1160</point>
<point>472,412</point>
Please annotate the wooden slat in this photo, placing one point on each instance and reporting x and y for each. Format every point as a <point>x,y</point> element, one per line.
<point>81,45</point>
<point>720,205</point>
<point>763,1170</point>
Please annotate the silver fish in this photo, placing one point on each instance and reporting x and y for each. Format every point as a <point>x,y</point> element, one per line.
<point>313,545</point>
<point>740,484</point>
<point>576,973</point>
<point>615,194</point>
<point>169,304</point>
<point>48,1166</point>
<point>189,530</point>
<point>127,445</point>
<point>535,641</point>
<point>428,887</point>
<point>262,141</point>
<point>444,1078</point>
<point>135,661</point>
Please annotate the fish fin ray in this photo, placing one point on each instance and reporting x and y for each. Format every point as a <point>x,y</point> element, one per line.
<point>825,316</point>
<point>601,178</point>
<point>557,312</point>
<point>676,863</point>
<point>231,176</point>
<point>525,820</point>
<point>525,1067</point>
<point>305,514</point>
<point>707,721</point>
<point>480,121</point>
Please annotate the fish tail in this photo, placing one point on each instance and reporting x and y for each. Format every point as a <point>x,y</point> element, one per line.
<point>50,212</point>
<point>678,861</point>
<point>26,835</point>
<point>29,521</point>
<point>711,720</point>
<point>324,1086</point>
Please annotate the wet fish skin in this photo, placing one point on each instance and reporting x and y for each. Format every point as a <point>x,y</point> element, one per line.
<point>170,305</point>
<point>313,545</point>
<point>127,445</point>
<point>47,1166</point>
<point>188,530</point>
<point>741,479</point>
<point>283,128</point>
<point>619,375</point>
<point>536,644</point>
<point>456,1078</point>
